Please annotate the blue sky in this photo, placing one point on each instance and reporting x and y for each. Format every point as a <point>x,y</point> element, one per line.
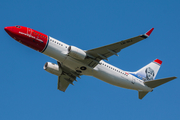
<point>28,92</point>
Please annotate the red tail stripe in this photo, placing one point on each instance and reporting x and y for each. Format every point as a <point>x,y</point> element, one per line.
<point>158,61</point>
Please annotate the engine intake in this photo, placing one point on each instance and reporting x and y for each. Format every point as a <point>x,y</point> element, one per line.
<point>52,68</point>
<point>76,53</point>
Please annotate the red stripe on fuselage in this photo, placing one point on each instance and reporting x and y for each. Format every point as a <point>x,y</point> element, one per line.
<point>29,37</point>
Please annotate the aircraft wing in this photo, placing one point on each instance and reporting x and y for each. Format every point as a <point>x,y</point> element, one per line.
<point>63,82</point>
<point>66,78</point>
<point>112,49</point>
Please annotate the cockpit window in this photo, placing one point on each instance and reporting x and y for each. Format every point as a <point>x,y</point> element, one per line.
<point>17,26</point>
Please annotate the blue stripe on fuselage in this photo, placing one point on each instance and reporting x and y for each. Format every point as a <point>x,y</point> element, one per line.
<point>137,76</point>
<point>46,45</point>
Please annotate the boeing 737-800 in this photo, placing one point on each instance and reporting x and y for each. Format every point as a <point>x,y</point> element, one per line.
<point>72,62</point>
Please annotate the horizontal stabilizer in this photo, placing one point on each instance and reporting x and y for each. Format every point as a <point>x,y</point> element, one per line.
<point>158,82</point>
<point>142,94</point>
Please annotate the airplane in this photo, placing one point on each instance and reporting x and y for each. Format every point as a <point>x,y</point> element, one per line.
<point>72,62</point>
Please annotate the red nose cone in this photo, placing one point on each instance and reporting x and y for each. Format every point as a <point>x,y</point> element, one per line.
<point>8,29</point>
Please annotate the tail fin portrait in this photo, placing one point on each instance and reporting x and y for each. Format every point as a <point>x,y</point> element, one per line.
<point>149,72</point>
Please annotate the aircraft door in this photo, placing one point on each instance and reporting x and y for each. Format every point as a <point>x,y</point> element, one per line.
<point>133,79</point>
<point>29,31</point>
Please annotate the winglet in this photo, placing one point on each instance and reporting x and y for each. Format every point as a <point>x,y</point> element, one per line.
<point>149,32</point>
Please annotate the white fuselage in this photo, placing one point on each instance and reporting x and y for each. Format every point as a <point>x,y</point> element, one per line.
<point>103,71</point>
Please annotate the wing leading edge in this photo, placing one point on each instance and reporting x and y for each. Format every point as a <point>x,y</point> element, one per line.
<point>106,51</point>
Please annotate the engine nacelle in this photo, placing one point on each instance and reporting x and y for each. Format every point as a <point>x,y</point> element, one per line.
<point>76,53</point>
<point>53,68</point>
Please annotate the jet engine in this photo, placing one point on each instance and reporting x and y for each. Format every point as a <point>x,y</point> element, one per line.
<point>52,68</point>
<point>76,53</point>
